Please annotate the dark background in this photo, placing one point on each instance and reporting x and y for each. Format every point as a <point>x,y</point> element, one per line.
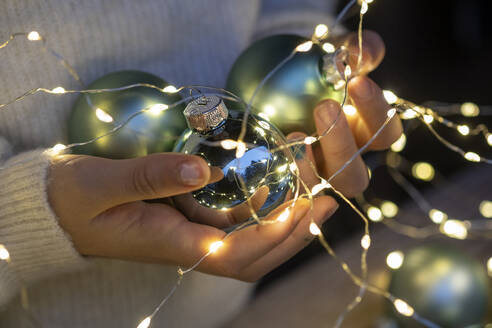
<point>435,51</point>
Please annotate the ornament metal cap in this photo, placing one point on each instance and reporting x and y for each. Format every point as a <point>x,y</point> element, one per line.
<point>205,113</point>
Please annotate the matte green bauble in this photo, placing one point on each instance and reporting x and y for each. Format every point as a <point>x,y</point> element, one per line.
<point>149,132</point>
<point>289,96</point>
<point>443,285</point>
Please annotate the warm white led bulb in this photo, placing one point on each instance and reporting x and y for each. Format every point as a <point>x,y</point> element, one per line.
<point>293,167</point>
<point>170,89</point>
<point>58,90</point>
<point>33,36</point>
<point>282,168</point>
<point>305,47</point>
<point>309,140</point>
<point>4,253</point>
<point>463,129</point>
<point>437,216</point>
<point>374,214</point>
<point>215,246</point>
<point>486,208</point>
<point>472,157</point>
<point>409,114</point>
<point>348,71</point>
<point>320,186</point>
<point>455,229</point>
<point>314,229</point>
<point>103,116</point>
<point>389,209</point>
<point>403,308</point>
<point>364,7</point>
<point>328,47</point>
<point>489,266</point>
<point>228,144</point>
<point>423,171</point>
<point>240,149</point>
<point>489,139</point>
<point>428,118</point>
<point>157,109</point>
<point>469,109</point>
<point>390,96</point>
<point>145,323</point>
<point>320,30</point>
<point>394,260</point>
<point>365,242</point>
<point>349,110</point>
<point>391,112</point>
<point>399,144</point>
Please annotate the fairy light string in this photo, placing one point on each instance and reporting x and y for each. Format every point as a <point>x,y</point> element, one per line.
<point>405,109</point>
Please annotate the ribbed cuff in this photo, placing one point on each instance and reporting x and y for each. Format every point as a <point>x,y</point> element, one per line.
<point>29,229</point>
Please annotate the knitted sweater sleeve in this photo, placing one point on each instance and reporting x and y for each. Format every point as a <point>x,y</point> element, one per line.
<point>294,16</point>
<point>29,229</point>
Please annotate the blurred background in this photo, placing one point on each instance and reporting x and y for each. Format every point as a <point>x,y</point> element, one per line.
<point>435,51</point>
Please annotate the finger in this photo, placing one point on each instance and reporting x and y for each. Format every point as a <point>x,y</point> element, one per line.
<point>373,51</point>
<point>304,159</point>
<point>323,208</point>
<point>221,218</point>
<point>102,183</point>
<point>372,110</point>
<point>245,246</point>
<point>338,146</point>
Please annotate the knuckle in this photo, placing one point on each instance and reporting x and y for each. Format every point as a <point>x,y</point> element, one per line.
<point>142,181</point>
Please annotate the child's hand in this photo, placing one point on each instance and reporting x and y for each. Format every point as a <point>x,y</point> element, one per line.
<point>352,131</point>
<point>99,204</point>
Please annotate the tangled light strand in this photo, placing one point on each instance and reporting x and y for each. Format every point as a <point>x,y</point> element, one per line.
<point>321,33</point>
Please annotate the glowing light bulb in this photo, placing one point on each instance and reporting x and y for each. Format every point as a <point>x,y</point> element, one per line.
<point>469,109</point>
<point>423,171</point>
<point>364,7</point>
<point>463,129</point>
<point>269,110</point>
<point>293,167</point>
<point>365,242</point>
<point>403,308</point>
<point>394,260</point>
<point>389,209</point>
<point>314,229</point>
<point>157,109</point>
<point>489,139</point>
<point>328,47</point>
<point>489,266</point>
<point>348,71</point>
<point>58,90</point>
<point>215,246</point>
<point>339,84</point>
<point>309,140</point>
<point>103,116</point>
<point>4,253</point>
<point>320,186</point>
<point>428,118</point>
<point>170,89</point>
<point>399,144</point>
<point>320,30</point>
<point>437,216</point>
<point>374,214</point>
<point>145,323</point>
<point>455,229</point>
<point>284,215</point>
<point>486,208</point>
<point>228,144</point>
<point>409,114</point>
<point>33,36</point>
<point>56,149</point>
<point>240,149</point>
<point>349,110</point>
<point>305,47</point>
<point>472,157</point>
<point>390,96</point>
<point>391,112</point>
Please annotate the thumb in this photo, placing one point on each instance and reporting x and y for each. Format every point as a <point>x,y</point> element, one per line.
<point>100,183</point>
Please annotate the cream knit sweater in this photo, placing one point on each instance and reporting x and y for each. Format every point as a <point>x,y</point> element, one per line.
<point>184,42</point>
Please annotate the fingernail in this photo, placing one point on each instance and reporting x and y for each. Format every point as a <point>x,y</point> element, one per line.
<point>362,88</point>
<point>191,174</point>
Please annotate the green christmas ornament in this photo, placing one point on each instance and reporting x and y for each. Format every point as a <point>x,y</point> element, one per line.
<point>289,96</point>
<point>150,132</point>
<point>443,285</point>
